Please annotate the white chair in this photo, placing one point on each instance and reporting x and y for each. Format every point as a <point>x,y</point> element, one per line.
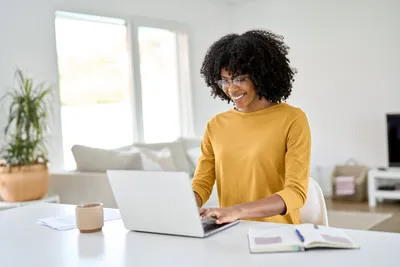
<point>212,202</point>
<point>314,210</point>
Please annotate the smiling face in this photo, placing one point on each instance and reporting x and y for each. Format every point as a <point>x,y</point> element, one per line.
<point>241,90</point>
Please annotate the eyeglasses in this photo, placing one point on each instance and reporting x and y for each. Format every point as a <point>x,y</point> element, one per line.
<point>238,81</point>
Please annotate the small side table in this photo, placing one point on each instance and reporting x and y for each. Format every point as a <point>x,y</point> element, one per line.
<point>9,205</point>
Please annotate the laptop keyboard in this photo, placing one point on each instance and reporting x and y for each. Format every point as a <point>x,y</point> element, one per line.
<point>209,226</point>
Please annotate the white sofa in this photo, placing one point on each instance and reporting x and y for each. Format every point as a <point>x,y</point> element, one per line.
<point>89,182</point>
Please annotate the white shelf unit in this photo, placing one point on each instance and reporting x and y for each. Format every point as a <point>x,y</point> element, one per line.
<point>377,177</point>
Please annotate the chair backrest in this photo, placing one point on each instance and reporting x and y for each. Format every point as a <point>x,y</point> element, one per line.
<point>314,210</point>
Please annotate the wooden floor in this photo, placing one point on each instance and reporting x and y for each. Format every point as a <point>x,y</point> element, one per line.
<point>390,225</point>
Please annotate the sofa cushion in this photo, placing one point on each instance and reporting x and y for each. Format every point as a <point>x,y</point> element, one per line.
<point>156,160</point>
<point>194,155</point>
<point>178,152</point>
<point>191,147</point>
<point>90,159</point>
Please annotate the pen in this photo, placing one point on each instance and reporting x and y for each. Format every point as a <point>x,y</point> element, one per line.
<point>300,235</point>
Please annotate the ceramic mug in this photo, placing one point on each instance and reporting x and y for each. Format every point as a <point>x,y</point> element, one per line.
<point>89,217</point>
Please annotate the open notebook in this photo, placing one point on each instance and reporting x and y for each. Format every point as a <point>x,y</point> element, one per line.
<point>298,238</point>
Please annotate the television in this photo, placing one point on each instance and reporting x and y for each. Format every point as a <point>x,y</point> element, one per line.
<point>393,139</point>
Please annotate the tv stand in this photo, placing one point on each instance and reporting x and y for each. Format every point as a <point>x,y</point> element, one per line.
<point>393,169</point>
<point>378,177</point>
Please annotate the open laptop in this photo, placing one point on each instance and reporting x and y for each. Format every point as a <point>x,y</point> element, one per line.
<point>160,202</point>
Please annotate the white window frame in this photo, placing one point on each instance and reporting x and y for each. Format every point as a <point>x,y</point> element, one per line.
<point>184,90</point>
<point>184,67</point>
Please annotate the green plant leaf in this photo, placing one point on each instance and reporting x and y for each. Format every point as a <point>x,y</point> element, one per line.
<point>27,122</point>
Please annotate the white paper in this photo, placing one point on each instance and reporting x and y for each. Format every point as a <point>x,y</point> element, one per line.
<point>69,222</point>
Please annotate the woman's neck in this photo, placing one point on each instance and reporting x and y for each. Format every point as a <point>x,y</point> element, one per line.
<point>256,105</point>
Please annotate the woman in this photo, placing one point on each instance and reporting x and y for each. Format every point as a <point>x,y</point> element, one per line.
<point>257,153</point>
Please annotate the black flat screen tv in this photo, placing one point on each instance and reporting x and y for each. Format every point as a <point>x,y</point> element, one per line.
<point>393,139</point>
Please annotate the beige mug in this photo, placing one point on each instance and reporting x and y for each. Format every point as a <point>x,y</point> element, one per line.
<point>89,217</point>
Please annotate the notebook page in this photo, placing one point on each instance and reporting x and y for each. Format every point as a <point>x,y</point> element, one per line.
<point>319,236</point>
<point>276,239</point>
<point>310,233</point>
<point>336,237</point>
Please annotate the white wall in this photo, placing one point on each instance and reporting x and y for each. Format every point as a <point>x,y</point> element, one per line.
<point>347,56</point>
<point>27,41</point>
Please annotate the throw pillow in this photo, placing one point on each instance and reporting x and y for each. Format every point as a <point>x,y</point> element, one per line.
<point>90,159</point>
<point>194,155</point>
<point>156,160</point>
<point>178,153</point>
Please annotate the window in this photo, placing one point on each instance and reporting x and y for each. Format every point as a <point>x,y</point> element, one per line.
<point>120,82</point>
<point>159,78</point>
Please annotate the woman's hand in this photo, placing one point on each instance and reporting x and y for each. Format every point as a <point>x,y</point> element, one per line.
<point>221,215</point>
<point>265,207</point>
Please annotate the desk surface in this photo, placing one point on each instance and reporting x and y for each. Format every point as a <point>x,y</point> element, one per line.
<point>24,243</point>
<point>46,199</point>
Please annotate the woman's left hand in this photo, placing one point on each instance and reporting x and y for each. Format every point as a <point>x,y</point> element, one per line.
<point>221,215</point>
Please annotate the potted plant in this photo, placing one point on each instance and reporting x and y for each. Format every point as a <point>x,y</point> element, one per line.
<point>24,171</point>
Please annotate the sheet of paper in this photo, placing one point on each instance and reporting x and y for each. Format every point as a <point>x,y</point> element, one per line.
<point>69,222</point>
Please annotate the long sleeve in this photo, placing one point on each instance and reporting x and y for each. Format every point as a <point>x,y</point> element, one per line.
<point>204,176</point>
<point>297,161</point>
<point>253,155</point>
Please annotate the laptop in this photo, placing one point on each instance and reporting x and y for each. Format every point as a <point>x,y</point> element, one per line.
<point>160,202</point>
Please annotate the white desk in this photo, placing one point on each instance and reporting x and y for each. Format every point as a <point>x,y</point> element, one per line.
<point>23,243</point>
<point>48,199</point>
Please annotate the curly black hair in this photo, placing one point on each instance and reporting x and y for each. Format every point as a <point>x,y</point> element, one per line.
<point>260,54</point>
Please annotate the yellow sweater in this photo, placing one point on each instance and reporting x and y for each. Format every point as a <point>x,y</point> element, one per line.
<point>254,155</point>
